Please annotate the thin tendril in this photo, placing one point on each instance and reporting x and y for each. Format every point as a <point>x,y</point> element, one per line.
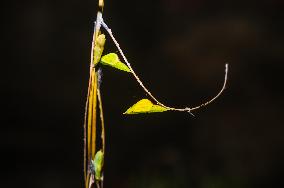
<point>220,92</point>
<point>128,64</point>
<point>186,109</point>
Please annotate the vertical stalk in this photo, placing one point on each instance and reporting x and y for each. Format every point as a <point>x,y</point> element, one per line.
<point>90,120</point>
<point>102,118</point>
<point>94,115</point>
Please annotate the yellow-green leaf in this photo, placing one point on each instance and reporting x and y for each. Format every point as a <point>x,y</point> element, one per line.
<point>112,60</point>
<point>99,48</point>
<point>145,106</point>
<point>98,164</point>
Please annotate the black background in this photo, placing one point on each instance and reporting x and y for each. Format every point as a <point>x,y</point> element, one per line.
<point>179,49</point>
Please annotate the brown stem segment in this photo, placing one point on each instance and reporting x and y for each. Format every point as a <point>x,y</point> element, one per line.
<point>94,115</point>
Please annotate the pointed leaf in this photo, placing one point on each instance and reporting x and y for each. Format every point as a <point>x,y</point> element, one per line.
<point>98,164</point>
<point>145,106</point>
<point>112,60</point>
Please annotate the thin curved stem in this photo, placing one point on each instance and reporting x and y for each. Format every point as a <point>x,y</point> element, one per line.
<point>128,64</point>
<point>220,92</point>
<point>186,109</point>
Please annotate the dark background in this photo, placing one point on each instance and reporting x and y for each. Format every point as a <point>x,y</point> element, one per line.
<point>179,48</point>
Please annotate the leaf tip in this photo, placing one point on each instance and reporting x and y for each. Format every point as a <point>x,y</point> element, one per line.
<point>112,60</point>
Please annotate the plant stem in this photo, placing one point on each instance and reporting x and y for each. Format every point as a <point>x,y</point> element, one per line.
<point>101,4</point>
<point>220,92</point>
<point>102,119</point>
<point>186,109</point>
<point>128,64</point>
<point>91,106</point>
<point>98,184</point>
